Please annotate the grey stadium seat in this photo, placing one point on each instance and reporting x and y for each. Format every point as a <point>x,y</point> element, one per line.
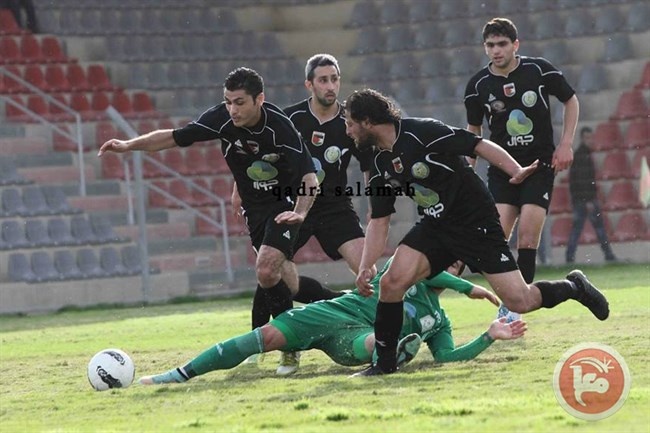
<point>638,17</point>
<point>410,91</point>
<point>35,202</point>
<point>57,201</point>
<point>103,230</point>
<point>36,233</point>
<point>421,11</point>
<point>111,262</point>
<point>12,203</point>
<point>428,36</point>
<point>59,231</point>
<point>593,78</point>
<point>370,40</point>
<point>393,12</point>
<point>66,265</point>
<point>19,269</point>
<point>556,52</point>
<point>609,20</point>
<point>618,47</point>
<point>399,38</point>
<point>43,267</point>
<point>131,259</point>
<point>89,264</point>
<point>13,234</point>
<point>549,25</point>
<point>579,22</point>
<point>364,13</point>
<point>404,66</point>
<point>81,230</point>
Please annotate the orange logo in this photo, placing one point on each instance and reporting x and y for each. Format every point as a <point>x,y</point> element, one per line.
<point>591,381</point>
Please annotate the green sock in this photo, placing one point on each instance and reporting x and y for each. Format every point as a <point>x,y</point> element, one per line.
<point>227,354</point>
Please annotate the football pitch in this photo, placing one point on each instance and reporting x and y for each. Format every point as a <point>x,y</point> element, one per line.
<point>508,388</point>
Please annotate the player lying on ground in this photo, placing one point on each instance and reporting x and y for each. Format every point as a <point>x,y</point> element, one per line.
<point>343,329</point>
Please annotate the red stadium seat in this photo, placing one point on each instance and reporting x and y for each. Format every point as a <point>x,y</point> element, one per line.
<point>8,24</point>
<point>222,187</point>
<point>105,131</point>
<point>79,102</point>
<point>156,199</point>
<point>112,166</point>
<point>57,113</point>
<point>199,198</point>
<point>631,105</point>
<point>560,230</point>
<point>615,166</point>
<point>560,200</point>
<point>145,126</point>
<point>61,143</point>
<point>174,159</point>
<point>99,101</point>
<point>631,227</point>
<point>122,103</point>
<point>636,161</point>
<point>38,105</point>
<point>644,83</point>
<point>166,124</point>
<point>77,78</point>
<point>179,189</point>
<point>11,85</point>
<point>149,169</point>
<point>622,195</point>
<point>637,134</point>
<point>196,162</point>
<point>607,136</point>
<point>9,51</point>
<point>34,75</point>
<point>52,51</point>
<point>14,113</point>
<point>216,160</point>
<point>55,79</point>
<point>30,49</point>
<point>98,78</point>
<point>142,105</point>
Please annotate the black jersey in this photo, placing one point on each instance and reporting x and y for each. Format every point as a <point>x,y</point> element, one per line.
<point>267,161</point>
<point>517,107</point>
<point>426,163</point>
<point>331,150</point>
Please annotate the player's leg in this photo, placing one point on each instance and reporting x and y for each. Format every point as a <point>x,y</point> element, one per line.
<point>223,356</point>
<point>351,253</point>
<point>531,223</point>
<point>508,215</point>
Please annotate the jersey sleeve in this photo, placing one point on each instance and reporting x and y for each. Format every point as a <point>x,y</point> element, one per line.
<point>205,128</point>
<point>451,140</point>
<point>441,346</point>
<point>381,204</point>
<point>295,152</point>
<point>445,280</point>
<point>554,81</point>
<point>473,106</point>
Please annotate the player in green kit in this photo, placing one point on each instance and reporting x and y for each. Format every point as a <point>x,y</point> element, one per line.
<point>343,329</point>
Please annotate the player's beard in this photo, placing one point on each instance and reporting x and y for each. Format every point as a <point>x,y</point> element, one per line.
<point>323,101</point>
<point>365,143</point>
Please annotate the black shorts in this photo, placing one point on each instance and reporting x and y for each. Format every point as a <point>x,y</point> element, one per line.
<point>265,231</point>
<point>482,247</point>
<point>332,226</point>
<point>536,189</point>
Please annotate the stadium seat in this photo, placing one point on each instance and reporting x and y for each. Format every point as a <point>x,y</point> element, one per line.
<point>66,265</point>
<point>89,264</point>
<point>9,84</point>
<point>593,78</point>
<point>637,134</point>
<point>368,68</point>
<point>103,230</point>
<point>98,78</point>
<point>9,174</point>
<point>370,40</point>
<point>150,169</point>
<point>549,25</point>
<point>364,13</point>
<point>222,187</point>
<point>464,61</point>
<point>55,79</point>
<point>216,160</point>
<point>175,159</point>
<point>112,166</point>
<point>33,74</point>
<point>421,11</point>
<point>631,105</point>
<point>560,230</point>
<point>36,233</point>
<point>9,50</point>
<point>631,227</point>
<point>644,82</point>
<point>196,162</point>
<point>34,200</point>
<point>199,198</point>
<point>76,76</point>
<point>52,51</point>
<point>454,9</point>
<point>399,38</point>
<point>560,200</point>
<point>81,230</point>
<point>79,103</point>
<point>111,262</point>
<point>30,49</point>
<point>392,12</point>
<point>412,91</point>
<point>37,105</point>
<point>8,24</point>
<point>59,232</point>
<point>131,259</point>
<point>609,20</point>
<point>143,106</point>
<point>12,203</point>
<point>404,65</point>
<point>236,226</point>
<point>607,136</point>
<point>556,52</point>
<point>579,22</point>
<point>43,267</point>
<point>638,17</point>
<point>457,36</point>
<point>13,234</point>
<point>428,36</point>
<point>636,161</point>
<point>615,166</point>
<point>434,66</point>
<point>618,47</point>
<point>182,191</point>
<point>122,103</point>
<point>19,269</point>
<point>621,196</point>
<point>511,7</point>
<point>157,199</point>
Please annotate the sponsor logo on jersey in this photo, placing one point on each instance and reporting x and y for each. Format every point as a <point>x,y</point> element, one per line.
<point>518,123</point>
<point>317,138</point>
<point>427,322</point>
<point>509,90</point>
<point>529,98</point>
<point>332,154</point>
<point>397,165</point>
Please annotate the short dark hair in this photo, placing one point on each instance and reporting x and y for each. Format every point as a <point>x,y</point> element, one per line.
<point>320,60</point>
<point>500,27</point>
<point>584,130</point>
<point>372,106</point>
<point>245,78</point>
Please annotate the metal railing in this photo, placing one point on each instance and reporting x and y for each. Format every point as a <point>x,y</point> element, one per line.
<point>76,137</point>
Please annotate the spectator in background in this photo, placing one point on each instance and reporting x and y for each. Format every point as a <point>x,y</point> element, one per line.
<point>584,198</point>
<point>16,7</point>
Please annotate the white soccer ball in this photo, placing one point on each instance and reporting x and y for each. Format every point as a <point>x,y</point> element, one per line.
<point>110,368</point>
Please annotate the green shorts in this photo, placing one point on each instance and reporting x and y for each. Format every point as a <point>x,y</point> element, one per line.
<point>328,327</point>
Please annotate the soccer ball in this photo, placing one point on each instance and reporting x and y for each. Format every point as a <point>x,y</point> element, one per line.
<point>110,368</point>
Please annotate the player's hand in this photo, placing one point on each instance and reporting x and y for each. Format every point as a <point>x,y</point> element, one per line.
<point>113,145</point>
<point>289,217</point>
<point>524,172</point>
<point>363,281</point>
<point>479,292</point>
<point>500,330</point>
<point>562,158</point>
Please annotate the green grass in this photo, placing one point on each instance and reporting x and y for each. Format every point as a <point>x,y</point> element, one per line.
<point>43,384</point>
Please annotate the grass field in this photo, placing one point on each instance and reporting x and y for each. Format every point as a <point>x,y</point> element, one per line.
<point>508,388</point>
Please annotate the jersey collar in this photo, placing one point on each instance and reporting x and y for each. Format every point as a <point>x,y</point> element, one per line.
<point>489,67</point>
<point>338,113</point>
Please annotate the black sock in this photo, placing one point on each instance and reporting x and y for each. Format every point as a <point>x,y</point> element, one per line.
<point>260,313</point>
<point>556,292</point>
<point>388,325</point>
<point>526,262</point>
<point>311,290</point>
<point>279,298</point>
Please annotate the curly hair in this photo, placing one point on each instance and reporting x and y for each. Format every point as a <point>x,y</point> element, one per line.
<point>372,106</point>
<point>245,78</point>
<point>500,27</point>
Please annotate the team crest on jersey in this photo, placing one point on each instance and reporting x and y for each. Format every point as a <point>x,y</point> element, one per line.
<point>529,98</point>
<point>420,170</point>
<point>497,106</point>
<point>252,146</point>
<point>332,154</point>
<point>509,90</point>
<point>397,165</point>
<point>317,138</point>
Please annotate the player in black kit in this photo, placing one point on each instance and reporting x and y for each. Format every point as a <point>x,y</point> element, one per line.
<point>460,220</point>
<point>263,151</point>
<point>513,93</point>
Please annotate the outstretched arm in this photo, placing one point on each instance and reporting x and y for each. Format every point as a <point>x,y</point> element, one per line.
<point>442,344</point>
<point>151,142</point>
<point>498,157</point>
